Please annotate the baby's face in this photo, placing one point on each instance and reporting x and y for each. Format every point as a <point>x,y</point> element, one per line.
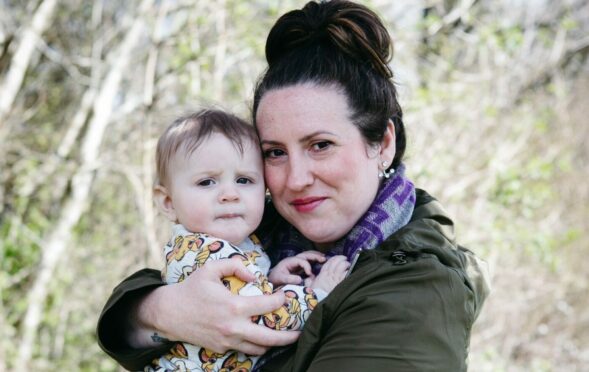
<point>217,190</point>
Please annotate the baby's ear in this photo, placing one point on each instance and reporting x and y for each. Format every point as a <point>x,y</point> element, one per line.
<point>163,200</point>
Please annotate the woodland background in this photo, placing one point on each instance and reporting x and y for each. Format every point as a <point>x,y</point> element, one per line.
<point>496,100</point>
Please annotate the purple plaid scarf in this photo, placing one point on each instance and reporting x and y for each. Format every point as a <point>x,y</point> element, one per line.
<point>391,209</point>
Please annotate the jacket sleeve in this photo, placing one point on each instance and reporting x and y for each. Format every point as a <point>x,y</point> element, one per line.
<point>402,318</point>
<point>479,278</point>
<point>114,321</point>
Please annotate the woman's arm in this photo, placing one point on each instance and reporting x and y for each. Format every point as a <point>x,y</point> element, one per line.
<point>143,314</point>
<point>412,317</point>
<point>416,319</point>
<point>114,322</point>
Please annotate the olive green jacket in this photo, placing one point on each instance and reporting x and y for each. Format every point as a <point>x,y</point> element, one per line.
<point>407,305</point>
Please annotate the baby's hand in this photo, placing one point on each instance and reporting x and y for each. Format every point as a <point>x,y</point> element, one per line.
<point>290,269</point>
<point>332,273</point>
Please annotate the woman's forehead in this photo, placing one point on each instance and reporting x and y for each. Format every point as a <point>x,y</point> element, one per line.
<point>303,115</point>
<point>304,102</point>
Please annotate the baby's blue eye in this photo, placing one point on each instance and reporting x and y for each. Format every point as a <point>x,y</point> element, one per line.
<point>207,182</point>
<point>244,180</point>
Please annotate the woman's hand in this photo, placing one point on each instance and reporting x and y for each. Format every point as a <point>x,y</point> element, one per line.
<point>290,269</point>
<point>201,311</point>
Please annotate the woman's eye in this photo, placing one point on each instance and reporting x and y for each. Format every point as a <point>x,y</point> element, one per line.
<point>273,153</point>
<point>207,182</point>
<point>321,145</point>
<point>244,180</point>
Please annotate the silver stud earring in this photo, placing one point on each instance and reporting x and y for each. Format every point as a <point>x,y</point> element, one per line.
<point>384,173</point>
<point>380,171</point>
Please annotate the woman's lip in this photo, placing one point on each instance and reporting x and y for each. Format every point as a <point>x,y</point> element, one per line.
<point>307,204</point>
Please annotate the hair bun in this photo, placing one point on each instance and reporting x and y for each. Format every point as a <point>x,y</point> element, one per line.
<point>350,28</point>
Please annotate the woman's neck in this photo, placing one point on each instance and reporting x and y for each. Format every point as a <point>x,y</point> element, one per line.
<point>324,247</point>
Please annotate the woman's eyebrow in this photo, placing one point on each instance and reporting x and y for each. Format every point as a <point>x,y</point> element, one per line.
<point>303,139</point>
<point>315,134</point>
<point>269,142</point>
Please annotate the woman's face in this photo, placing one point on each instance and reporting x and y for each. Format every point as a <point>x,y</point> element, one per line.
<point>321,173</point>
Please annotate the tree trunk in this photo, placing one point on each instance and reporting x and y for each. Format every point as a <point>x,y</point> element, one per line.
<point>20,61</point>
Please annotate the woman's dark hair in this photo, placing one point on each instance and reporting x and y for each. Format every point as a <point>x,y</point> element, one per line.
<point>342,44</point>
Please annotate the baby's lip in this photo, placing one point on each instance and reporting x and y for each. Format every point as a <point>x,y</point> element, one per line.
<point>229,215</point>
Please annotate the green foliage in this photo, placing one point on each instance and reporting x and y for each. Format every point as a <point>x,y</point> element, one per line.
<point>568,23</point>
<point>19,248</point>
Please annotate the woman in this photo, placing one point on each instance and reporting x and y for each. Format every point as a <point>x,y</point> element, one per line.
<point>333,140</point>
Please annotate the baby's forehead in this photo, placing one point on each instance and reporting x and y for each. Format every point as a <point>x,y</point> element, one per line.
<point>242,142</point>
<point>245,148</point>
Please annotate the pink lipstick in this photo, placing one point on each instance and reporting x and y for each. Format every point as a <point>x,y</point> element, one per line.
<point>305,205</point>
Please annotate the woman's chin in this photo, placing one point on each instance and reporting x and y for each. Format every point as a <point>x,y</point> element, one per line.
<point>322,238</point>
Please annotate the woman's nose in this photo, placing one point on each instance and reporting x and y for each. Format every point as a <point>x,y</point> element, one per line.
<point>299,174</point>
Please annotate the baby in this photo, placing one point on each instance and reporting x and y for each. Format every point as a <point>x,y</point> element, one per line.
<point>211,185</point>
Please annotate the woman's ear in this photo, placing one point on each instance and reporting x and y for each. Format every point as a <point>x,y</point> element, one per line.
<point>388,146</point>
<point>163,200</point>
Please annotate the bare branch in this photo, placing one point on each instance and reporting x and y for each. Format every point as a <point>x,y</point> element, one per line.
<point>66,145</point>
<point>220,64</point>
<point>22,57</point>
<point>455,15</point>
<point>62,60</point>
